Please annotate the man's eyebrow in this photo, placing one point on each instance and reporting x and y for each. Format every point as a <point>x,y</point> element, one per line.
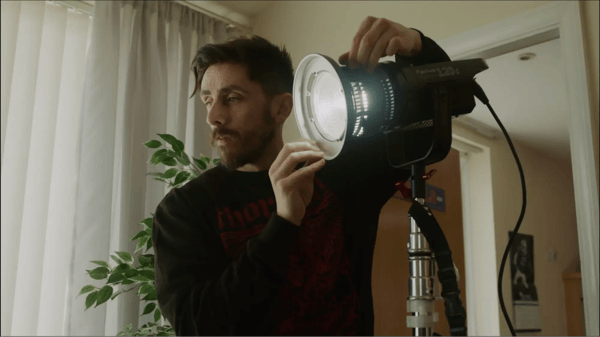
<point>225,90</point>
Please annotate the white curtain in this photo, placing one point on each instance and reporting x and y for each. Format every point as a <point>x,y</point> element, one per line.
<point>79,97</point>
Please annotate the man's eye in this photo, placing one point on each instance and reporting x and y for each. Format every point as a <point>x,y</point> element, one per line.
<point>229,99</point>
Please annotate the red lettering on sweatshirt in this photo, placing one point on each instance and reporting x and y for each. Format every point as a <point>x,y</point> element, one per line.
<point>253,214</point>
<point>319,297</point>
<point>246,217</point>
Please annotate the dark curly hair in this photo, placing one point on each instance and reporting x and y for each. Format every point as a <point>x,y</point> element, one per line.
<point>265,63</point>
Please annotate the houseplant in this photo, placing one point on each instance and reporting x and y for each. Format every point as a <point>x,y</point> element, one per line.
<point>124,273</point>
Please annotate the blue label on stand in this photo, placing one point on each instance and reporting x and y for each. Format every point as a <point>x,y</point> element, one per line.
<point>436,198</point>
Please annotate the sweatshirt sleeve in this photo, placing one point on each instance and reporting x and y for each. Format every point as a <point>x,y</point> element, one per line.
<point>200,290</point>
<point>374,179</point>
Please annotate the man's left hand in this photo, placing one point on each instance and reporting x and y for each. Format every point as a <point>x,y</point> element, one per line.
<point>377,38</point>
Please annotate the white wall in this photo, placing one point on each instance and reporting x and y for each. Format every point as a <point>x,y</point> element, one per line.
<point>327,27</point>
<point>549,217</point>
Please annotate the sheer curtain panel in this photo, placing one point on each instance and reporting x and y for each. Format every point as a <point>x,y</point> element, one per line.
<point>79,97</point>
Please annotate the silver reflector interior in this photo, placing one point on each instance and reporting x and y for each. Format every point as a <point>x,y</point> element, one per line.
<point>320,104</point>
<point>329,105</point>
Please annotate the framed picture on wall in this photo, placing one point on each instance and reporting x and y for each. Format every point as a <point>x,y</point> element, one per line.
<point>524,292</point>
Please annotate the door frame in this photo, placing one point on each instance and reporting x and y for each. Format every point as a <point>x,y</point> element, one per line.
<point>483,318</point>
<point>564,16</point>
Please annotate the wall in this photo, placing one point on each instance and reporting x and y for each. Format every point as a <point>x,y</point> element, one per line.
<point>549,217</point>
<point>589,17</point>
<point>327,27</point>
<point>301,26</point>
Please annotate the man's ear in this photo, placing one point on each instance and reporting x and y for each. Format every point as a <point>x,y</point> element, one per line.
<point>282,106</point>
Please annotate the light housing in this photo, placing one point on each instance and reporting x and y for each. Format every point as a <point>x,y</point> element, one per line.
<point>338,107</point>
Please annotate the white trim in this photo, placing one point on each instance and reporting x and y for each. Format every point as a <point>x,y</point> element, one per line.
<point>218,11</point>
<point>468,245</point>
<point>478,222</point>
<point>477,126</point>
<point>564,15</point>
<point>465,146</point>
<point>210,8</point>
<point>80,6</point>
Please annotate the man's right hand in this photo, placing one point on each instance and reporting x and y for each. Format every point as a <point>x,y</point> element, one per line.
<point>294,188</point>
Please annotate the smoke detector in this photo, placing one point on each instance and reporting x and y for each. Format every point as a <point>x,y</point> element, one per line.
<point>526,56</point>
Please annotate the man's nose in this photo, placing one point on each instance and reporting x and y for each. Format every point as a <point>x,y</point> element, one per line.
<point>217,115</point>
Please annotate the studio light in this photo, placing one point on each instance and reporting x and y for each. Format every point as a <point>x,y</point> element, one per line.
<point>412,107</point>
<point>338,106</point>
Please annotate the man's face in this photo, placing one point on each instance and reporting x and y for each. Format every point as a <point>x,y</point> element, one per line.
<point>239,115</point>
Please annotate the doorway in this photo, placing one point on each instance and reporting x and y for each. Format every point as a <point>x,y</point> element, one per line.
<point>515,32</point>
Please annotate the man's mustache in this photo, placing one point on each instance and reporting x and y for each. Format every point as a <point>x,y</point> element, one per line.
<point>221,133</point>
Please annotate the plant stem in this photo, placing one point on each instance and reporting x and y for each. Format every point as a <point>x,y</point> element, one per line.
<point>196,168</point>
<point>132,288</point>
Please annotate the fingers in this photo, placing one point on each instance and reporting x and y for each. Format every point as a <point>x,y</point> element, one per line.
<point>293,159</point>
<point>379,50</point>
<point>357,40</point>
<point>377,38</point>
<point>369,40</point>
<point>343,59</point>
<point>301,145</point>
<point>303,173</point>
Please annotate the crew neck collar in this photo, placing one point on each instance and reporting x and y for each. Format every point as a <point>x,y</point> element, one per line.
<point>246,175</point>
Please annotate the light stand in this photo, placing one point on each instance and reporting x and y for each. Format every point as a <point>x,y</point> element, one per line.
<point>412,107</point>
<point>423,226</point>
<point>420,302</point>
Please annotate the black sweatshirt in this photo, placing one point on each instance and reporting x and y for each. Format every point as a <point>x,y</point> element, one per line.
<point>227,264</point>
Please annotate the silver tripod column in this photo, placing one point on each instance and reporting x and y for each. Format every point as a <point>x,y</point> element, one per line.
<point>420,304</point>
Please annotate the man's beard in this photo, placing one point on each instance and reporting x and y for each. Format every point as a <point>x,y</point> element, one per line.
<point>250,146</point>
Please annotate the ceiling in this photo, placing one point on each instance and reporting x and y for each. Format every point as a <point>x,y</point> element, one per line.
<point>528,97</point>
<point>247,8</point>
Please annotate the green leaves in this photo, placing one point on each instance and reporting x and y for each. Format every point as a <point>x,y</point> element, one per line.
<point>149,329</point>
<point>146,260</point>
<point>177,145</point>
<point>181,177</point>
<point>122,268</point>
<point>149,274</point>
<point>144,289</point>
<point>104,295</point>
<point>98,273</point>
<point>159,156</point>
<point>151,296</point>
<point>147,222</point>
<point>183,168</point>
<point>115,278</point>
<point>125,256</point>
<point>149,308</point>
<point>116,259</point>
<point>98,297</point>
<point>203,162</point>
<point>101,263</point>
<point>152,144</point>
<point>86,289</point>
<point>142,241</point>
<point>172,158</point>
<point>90,300</point>
<point>170,173</point>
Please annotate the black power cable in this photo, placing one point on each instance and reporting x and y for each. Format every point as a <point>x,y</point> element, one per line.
<point>478,91</point>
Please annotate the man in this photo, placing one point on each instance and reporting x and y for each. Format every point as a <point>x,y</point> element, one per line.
<point>258,245</point>
<point>521,264</point>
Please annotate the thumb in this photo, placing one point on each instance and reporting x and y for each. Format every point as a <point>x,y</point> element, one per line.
<point>343,59</point>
